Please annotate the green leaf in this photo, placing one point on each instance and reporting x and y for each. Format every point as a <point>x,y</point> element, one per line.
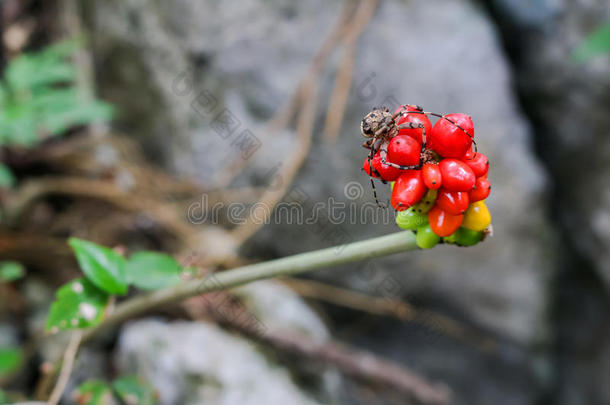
<point>102,266</point>
<point>133,391</point>
<point>79,304</point>
<point>11,271</point>
<point>152,270</point>
<point>3,399</point>
<point>597,43</point>
<point>94,392</point>
<point>7,179</point>
<point>10,359</point>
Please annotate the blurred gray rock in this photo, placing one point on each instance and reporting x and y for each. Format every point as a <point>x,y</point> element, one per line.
<point>193,363</point>
<point>184,62</point>
<point>201,363</point>
<point>279,308</point>
<point>8,335</point>
<point>568,104</point>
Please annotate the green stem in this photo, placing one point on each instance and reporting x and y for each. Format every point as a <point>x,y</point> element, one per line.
<point>300,263</point>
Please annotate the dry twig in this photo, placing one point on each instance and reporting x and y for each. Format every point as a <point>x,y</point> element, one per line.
<point>388,307</point>
<point>338,99</point>
<point>351,361</point>
<point>66,370</point>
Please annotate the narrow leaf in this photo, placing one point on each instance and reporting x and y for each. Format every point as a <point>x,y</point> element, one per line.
<point>102,266</point>
<point>152,270</point>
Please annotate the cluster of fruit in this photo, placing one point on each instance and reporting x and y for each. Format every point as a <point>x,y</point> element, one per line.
<point>442,199</point>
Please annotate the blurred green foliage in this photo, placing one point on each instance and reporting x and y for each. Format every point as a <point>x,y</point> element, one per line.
<point>101,265</point>
<point>7,179</point>
<point>133,390</point>
<point>39,98</point>
<point>11,271</point>
<point>595,44</point>
<point>94,392</point>
<point>10,359</point>
<point>152,270</point>
<point>82,303</point>
<point>129,389</point>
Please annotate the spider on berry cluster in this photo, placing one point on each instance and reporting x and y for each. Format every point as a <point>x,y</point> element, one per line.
<point>380,126</point>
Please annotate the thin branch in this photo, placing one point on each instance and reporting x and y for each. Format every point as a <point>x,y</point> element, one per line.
<point>66,370</point>
<point>104,190</point>
<point>354,362</point>
<point>353,252</point>
<point>389,307</point>
<point>283,116</point>
<point>361,365</point>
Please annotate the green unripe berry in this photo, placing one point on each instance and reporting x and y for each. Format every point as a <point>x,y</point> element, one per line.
<point>467,237</point>
<point>409,219</point>
<point>451,238</point>
<point>426,203</point>
<point>426,238</point>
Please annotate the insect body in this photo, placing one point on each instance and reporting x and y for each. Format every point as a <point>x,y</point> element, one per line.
<point>380,126</point>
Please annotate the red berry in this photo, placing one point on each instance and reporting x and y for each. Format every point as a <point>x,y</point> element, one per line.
<point>382,171</point>
<point>386,172</point>
<point>447,139</point>
<point>431,174</point>
<point>408,190</point>
<point>457,175</point>
<point>452,202</point>
<point>442,223</point>
<point>468,155</point>
<point>479,164</point>
<point>404,150</point>
<point>481,190</point>
<point>367,168</point>
<point>417,118</point>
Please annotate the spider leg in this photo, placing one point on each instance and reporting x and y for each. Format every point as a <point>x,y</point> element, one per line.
<point>367,144</point>
<point>404,108</point>
<point>441,116</point>
<point>413,125</point>
<point>384,155</point>
<point>380,131</point>
<point>372,153</point>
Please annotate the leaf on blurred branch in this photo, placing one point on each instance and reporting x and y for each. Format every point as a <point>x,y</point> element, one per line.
<point>79,304</point>
<point>93,392</point>
<point>597,43</point>
<point>133,391</point>
<point>10,359</point>
<point>152,270</point>
<point>102,266</point>
<point>11,271</point>
<point>7,179</point>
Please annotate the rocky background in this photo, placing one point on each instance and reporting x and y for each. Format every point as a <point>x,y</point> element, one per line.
<point>531,303</point>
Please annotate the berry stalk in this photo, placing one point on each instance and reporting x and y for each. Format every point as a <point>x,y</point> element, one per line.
<point>300,263</point>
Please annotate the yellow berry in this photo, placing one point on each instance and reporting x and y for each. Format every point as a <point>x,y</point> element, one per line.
<point>477,217</point>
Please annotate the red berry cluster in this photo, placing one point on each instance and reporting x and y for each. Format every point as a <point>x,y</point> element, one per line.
<point>442,197</point>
